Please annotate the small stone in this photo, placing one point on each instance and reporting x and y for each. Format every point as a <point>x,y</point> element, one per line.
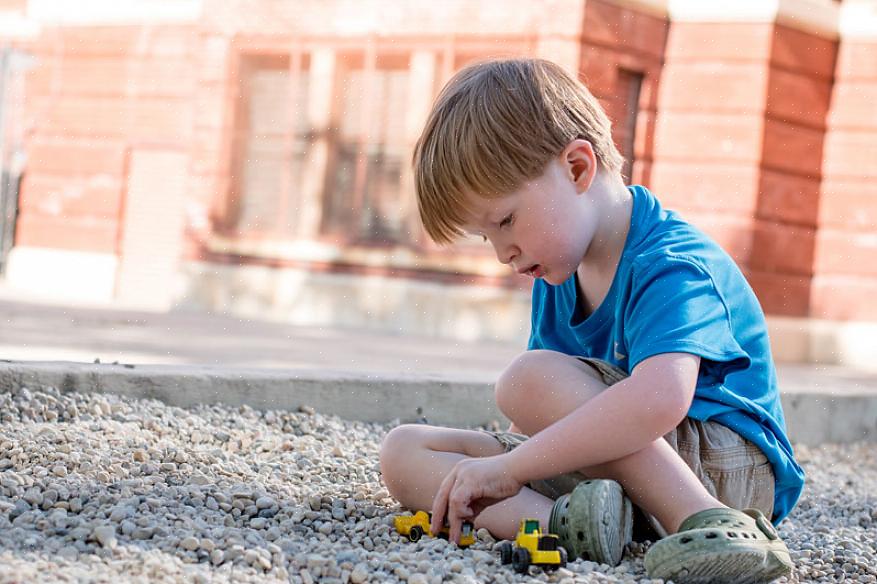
<point>34,497</point>
<point>190,543</point>
<point>359,574</point>
<point>59,470</point>
<point>119,513</point>
<point>265,503</point>
<point>105,535</point>
<point>69,552</point>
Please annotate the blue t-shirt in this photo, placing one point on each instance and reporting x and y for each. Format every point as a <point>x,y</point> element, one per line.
<point>676,291</point>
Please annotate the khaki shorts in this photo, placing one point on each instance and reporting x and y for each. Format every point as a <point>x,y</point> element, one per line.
<point>733,470</point>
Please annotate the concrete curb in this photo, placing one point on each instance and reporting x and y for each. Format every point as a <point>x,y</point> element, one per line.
<point>814,416</point>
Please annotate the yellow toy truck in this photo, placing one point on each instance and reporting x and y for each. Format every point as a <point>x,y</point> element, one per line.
<point>414,526</point>
<point>532,547</point>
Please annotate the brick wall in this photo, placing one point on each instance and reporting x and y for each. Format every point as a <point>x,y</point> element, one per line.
<point>93,94</point>
<point>761,132</point>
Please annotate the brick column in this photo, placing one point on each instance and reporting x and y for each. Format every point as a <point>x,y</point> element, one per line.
<point>845,268</point>
<point>741,123</point>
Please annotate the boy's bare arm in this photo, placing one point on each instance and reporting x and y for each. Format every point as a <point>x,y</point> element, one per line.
<point>619,421</point>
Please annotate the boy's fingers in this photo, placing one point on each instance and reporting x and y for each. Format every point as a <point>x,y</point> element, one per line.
<point>440,503</point>
<point>458,510</point>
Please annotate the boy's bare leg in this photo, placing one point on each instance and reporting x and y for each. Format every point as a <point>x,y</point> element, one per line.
<point>415,459</point>
<point>541,387</point>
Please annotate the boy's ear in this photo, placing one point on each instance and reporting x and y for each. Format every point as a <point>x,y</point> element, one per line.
<point>581,163</point>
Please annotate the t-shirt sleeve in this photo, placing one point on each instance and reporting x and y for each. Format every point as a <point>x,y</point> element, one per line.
<point>675,307</point>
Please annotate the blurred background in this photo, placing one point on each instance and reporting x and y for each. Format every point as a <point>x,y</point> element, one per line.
<point>252,158</point>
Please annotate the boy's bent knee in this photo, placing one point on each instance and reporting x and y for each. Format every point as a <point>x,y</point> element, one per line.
<point>400,440</point>
<point>396,450</point>
<point>517,380</point>
<point>541,386</point>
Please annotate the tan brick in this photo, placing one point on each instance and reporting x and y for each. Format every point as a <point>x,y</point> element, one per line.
<point>90,196</point>
<point>783,248</point>
<point>57,231</point>
<point>844,298</point>
<point>846,252</point>
<point>149,119</point>
<point>781,294</point>
<point>168,41</point>
<point>857,60</point>
<point>849,203</point>
<point>850,154</point>
<point>707,186</point>
<point>853,105</point>
<point>714,86</point>
<point>76,157</point>
<point>115,76</point>
<point>726,42</point>
<point>788,198</point>
<point>694,136</point>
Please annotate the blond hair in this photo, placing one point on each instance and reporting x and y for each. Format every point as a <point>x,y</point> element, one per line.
<point>496,125</point>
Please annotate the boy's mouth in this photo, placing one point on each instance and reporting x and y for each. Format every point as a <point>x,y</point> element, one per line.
<point>535,271</point>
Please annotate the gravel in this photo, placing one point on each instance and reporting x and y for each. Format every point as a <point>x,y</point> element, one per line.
<point>102,488</point>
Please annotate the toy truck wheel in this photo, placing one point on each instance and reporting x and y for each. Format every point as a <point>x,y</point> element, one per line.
<point>416,533</point>
<point>505,552</point>
<point>563,557</point>
<point>521,560</point>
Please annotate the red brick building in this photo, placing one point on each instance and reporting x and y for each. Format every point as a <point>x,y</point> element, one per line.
<point>254,157</point>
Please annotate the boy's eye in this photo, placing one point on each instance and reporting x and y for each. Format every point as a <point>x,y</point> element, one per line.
<point>508,220</point>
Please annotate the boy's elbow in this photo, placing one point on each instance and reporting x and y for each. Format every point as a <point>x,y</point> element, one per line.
<point>670,408</point>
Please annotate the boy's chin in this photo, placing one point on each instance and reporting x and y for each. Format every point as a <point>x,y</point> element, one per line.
<point>556,278</point>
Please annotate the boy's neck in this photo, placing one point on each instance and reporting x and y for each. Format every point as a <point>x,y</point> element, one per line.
<point>614,204</point>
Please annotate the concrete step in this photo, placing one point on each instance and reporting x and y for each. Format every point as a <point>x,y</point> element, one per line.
<point>815,412</point>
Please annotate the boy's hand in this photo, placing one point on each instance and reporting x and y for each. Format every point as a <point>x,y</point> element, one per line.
<point>472,485</point>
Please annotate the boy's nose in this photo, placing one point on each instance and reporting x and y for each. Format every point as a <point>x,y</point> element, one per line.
<point>506,254</point>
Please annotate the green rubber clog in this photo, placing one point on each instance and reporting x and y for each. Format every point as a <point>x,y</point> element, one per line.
<point>594,522</point>
<point>721,546</point>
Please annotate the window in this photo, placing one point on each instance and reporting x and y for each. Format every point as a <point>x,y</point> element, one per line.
<point>626,113</point>
<point>272,139</point>
<point>364,198</point>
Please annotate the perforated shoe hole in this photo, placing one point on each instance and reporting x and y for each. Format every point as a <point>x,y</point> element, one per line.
<point>581,536</point>
<point>685,539</point>
<point>712,535</point>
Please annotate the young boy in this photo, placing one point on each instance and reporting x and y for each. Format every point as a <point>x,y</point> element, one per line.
<point>648,373</point>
